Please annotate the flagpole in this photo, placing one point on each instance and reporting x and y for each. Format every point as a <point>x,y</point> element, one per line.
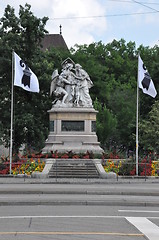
<point>137,119</point>
<point>11,123</point>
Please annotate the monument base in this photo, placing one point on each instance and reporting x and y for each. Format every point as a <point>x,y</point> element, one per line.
<point>72,129</point>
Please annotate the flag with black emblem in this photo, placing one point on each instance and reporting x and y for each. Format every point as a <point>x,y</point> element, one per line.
<point>144,80</point>
<point>23,76</point>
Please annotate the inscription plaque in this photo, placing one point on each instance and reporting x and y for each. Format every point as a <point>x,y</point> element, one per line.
<point>69,126</point>
<point>93,126</point>
<point>51,126</point>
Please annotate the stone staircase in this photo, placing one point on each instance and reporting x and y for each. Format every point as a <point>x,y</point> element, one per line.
<point>73,168</point>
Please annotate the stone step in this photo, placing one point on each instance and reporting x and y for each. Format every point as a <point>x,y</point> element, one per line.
<point>73,172</point>
<point>73,168</point>
<point>70,174</point>
<point>74,162</point>
<point>74,176</point>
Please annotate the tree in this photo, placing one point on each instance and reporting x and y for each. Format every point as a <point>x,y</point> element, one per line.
<point>150,59</point>
<point>24,35</point>
<point>113,70</point>
<point>123,103</point>
<point>106,125</point>
<point>149,130</point>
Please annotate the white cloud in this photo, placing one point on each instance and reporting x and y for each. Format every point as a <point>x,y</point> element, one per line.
<point>39,8</point>
<point>77,30</point>
<point>155,42</point>
<point>83,30</point>
<point>80,29</point>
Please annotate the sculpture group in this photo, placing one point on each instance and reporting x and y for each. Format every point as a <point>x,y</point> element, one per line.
<point>71,87</point>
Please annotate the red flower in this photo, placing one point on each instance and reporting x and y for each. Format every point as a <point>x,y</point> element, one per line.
<point>65,156</point>
<point>75,156</point>
<point>86,157</point>
<point>133,172</point>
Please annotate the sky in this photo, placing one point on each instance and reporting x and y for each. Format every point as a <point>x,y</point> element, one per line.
<point>88,21</point>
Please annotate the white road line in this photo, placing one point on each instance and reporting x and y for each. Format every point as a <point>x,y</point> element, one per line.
<point>20,217</point>
<point>50,216</point>
<point>149,229</point>
<point>137,211</point>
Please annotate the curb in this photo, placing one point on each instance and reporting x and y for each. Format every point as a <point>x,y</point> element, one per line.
<point>80,192</point>
<point>81,203</point>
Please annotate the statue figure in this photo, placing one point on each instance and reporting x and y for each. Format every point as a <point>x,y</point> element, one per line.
<point>58,86</point>
<point>70,77</point>
<point>84,85</point>
<point>71,87</point>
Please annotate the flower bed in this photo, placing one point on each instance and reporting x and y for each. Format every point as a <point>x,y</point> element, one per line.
<point>66,155</point>
<point>23,166</point>
<point>28,167</point>
<point>35,163</point>
<point>112,166</point>
<point>128,168</point>
<point>155,168</point>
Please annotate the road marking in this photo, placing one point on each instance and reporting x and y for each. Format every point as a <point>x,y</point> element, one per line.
<point>61,216</point>
<point>16,217</point>
<point>73,233</point>
<point>138,211</point>
<point>149,229</point>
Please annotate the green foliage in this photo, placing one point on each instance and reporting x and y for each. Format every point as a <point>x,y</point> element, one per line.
<point>126,168</point>
<point>24,35</point>
<point>106,124</point>
<point>122,102</point>
<point>112,68</point>
<point>149,130</point>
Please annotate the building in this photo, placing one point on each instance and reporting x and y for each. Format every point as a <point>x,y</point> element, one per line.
<point>55,41</point>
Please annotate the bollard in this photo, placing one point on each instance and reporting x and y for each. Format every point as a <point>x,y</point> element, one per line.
<point>87,170</point>
<point>24,172</point>
<point>56,170</point>
<point>145,171</point>
<point>117,172</point>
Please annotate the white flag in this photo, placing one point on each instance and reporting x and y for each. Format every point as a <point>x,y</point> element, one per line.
<point>23,76</point>
<point>144,80</point>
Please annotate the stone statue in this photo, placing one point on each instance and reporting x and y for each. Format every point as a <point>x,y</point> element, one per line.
<point>58,86</point>
<point>70,88</point>
<point>84,83</point>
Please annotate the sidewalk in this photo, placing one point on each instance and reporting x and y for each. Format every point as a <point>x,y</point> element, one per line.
<point>118,180</point>
<point>108,192</point>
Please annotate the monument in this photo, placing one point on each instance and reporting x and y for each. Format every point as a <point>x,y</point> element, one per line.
<point>72,116</point>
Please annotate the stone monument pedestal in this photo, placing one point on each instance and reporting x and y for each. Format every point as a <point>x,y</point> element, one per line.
<point>72,129</point>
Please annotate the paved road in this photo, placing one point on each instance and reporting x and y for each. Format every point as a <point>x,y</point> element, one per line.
<point>78,209</point>
<point>78,222</point>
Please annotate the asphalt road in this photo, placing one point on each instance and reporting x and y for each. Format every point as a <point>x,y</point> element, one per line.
<point>78,222</point>
<point>103,210</point>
